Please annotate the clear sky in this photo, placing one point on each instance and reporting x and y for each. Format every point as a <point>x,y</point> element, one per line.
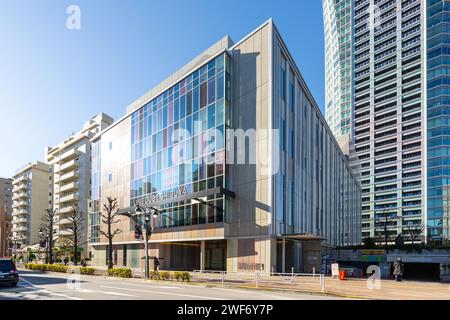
<point>52,79</point>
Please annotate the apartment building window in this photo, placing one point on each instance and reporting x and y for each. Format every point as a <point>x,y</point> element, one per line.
<point>110,177</point>
<point>110,145</point>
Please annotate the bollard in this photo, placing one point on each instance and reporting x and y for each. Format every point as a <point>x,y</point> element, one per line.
<point>322,283</point>
<point>292,271</point>
<point>223,276</point>
<point>314,272</point>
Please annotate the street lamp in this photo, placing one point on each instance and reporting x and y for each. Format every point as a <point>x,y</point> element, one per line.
<point>148,212</point>
<point>46,237</point>
<point>14,240</point>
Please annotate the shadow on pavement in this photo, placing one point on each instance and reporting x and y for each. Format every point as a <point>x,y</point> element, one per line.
<point>42,278</point>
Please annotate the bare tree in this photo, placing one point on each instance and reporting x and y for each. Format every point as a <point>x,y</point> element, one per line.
<point>384,223</point>
<point>46,232</point>
<point>109,218</point>
<point>76,226</point>
<point>414,231</point>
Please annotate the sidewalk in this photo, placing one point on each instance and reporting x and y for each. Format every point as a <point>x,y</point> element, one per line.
<point>357,288</point>
<point>389,290</point>
<point>350,288</point>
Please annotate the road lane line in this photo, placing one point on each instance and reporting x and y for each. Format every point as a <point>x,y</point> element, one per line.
<point>49,292</point>
<point>152,286</point>
<point>166,293</point>
<point>106,293</point>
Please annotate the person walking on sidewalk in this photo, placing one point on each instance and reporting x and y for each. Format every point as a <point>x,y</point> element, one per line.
<point>398,270</point>
<point>155,263</point>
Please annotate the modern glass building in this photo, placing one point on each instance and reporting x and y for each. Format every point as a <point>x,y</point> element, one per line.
<point>388,112</point>
<point>338,65</point>
<point>438,111</point>
<point>234,155</point>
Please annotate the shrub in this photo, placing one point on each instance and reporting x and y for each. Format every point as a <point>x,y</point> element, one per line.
<point>46,267</point>
<point>87,270</point>
<point>164,275</point>
<point>120,273</point>
<point>57,268</point>
<point>154,275</point>
<point>186,276</point>
<point>177,275</point>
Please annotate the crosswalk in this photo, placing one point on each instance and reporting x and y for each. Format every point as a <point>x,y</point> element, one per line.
<point>25,290</point>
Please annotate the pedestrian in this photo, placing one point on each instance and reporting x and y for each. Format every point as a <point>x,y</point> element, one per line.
<point>155,263</point>
<point>83,263</point>
<point>66,260</point>
<point>398,270</point>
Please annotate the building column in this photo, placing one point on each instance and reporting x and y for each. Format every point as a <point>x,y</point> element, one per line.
<point>232,255</point>
<point>202,255</point>
<point>283,255</point>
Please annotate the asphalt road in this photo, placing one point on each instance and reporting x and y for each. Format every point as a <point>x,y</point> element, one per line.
<point>55,286</point>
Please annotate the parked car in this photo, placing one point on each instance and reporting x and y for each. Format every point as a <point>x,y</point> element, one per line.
<point>8,272</point>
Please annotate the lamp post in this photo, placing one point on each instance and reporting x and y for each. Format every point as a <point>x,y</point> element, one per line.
<point>48,252</point>
<point>148,212</point>
<point>41,233</point>
<point>14,240</point>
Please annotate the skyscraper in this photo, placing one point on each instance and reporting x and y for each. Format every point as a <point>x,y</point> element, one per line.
<point>388,118</point>
<point>438,110</point>
<point>338,65</point>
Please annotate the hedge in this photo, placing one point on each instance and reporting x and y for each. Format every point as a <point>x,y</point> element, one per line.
<point>120,272</point>
<point>58,268</point>
<point>165,275</point>
<point>87,270</point>
<point>46,267</point>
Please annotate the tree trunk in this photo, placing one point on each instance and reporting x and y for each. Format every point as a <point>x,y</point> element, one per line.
<point>110,248</point>
<point>50,251</point>
<point>75,246</point>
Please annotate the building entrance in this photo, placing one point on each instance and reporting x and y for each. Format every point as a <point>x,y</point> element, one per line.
<point>216,255</point>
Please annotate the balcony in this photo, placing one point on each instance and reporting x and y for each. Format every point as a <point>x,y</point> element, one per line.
<point>69,198</point>
<point>19,229</point>
<point>21,195</point>
<point>69,155</point>
<point>65,233</point>
<point>65,210</point>
<point>69,187</point>
<point>20,221</point>
<point>69,176</point>
<point>20,180</point>
<point>64,222</point>
<point>20,212</point>
<point>20,187</point>
<point>72,164</point>
<point>20,204</point>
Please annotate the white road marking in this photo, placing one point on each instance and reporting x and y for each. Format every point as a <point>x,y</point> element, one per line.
<point>167,293</point>
<point>105,292</point>
<point>38,289</point>
<point>152,286</point>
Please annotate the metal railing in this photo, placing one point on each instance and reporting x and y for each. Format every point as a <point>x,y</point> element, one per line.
<point>286,281</point>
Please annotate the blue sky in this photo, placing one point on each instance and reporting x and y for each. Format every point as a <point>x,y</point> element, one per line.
<point>53,79</point>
